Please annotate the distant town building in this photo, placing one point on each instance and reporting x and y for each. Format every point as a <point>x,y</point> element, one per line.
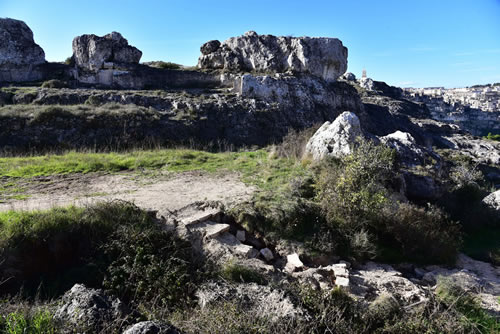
<point>476,109</point>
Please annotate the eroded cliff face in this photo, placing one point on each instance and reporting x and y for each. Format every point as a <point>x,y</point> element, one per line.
<point>19,54</point>
<point>73,118</point>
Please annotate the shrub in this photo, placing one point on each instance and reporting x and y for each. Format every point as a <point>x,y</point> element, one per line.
<point>50,114</point>
<point>491,136</point>
<point>54,83</point>
<point>352,190</point>
<point>149,266</point>
<point>294,143</point>
<point>93,100</point>
<point>241,274</point>
<point>69,61</point>
<point>466,174</point>
<point>115,243</point>
<point>39,321</point>
<point>454,296</point>
<point>166,65</point>
<point>422,235</point>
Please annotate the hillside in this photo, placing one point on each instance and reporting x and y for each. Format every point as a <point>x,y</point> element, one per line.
<point>265,191</point>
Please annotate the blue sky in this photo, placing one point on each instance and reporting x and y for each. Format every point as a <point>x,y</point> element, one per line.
<point>403,42</point>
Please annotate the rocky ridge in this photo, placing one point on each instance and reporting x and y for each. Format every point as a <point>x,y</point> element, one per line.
<point>321,57</point>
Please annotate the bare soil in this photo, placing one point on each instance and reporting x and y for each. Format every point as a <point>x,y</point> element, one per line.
<point>162,192</point>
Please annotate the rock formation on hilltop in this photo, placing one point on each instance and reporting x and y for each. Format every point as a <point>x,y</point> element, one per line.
<point>322,57</point>
<point>19,53</point>
<point>17,46</point>
<point>92,52</point>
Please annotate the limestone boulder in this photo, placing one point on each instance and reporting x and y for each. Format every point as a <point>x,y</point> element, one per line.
<point>93,53</point>
<point>492,201</point>
<point>335,139</point>
<point>348,76</point>
<point>17,46</point>
<point>321,57</point>
<point>82,307</point>
<point>151,327</point>
<point>409,152</point>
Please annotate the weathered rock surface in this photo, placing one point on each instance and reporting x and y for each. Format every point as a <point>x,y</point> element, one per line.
<point>17,46</point>
<point>19,54</point>
<point>348,76</point>
<point>171,116</point>
<point>260,300</point>
<point>372,280</point>
<point>151,327</point>
<point>322,57</point>
<point>482,151</point>
<point>325,278</point>
<point>335,139</point>
<point>492,201</point>
<point>480,278</point>
<point>93,52</point>
<point>89,309</point>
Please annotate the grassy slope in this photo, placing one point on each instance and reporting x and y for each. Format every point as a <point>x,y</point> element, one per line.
<point>256,167</point>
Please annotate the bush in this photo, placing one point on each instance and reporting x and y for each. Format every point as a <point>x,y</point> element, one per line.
<point>294,143</point>
<point>352,190</point>
<point>422,235</point>
<point>54,84</point>
<point>360,202</point>
<point>241,274</point>
<point>491,136</point>
<point>115,245</point>
<point>149,266</point>
<point>50,114</point>
<point>28,321</point>
<point>464,303</point>
<point>168,65</point>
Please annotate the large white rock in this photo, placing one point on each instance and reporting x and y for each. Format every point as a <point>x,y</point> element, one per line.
<point>493,201</point>
<point>293,263</point>
<point>92,52</point>
<point>335,139</point>
<point>318,56</point>
<point>17,46</point>
<point>410,153</point>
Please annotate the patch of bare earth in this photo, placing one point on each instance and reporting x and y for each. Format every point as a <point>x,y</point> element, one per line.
<point>162,192</point>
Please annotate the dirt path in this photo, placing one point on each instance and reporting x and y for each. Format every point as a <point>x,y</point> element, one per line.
<point>158,192</point>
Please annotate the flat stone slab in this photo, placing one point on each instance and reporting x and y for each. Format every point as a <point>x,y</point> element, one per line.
<point>194,215</point>
<point>209,229</point>
<point>236,247</point>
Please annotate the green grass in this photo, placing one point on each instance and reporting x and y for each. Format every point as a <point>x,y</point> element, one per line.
<point>41,322</point>
<point>256,167</point>
<point>491,136</point>
<point>241,274</point>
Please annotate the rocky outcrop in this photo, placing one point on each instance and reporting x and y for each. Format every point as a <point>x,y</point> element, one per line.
<point>322,57</point>
<point>492,202</point>
<point>19,54</point>
<point>373,279</point>
<point>93,53</point>
<point>477,277</point>
<point>17,46</point>
<point>88,309</point>
<point>260,300</point>
<point>335,139</point>
<point>151,327</point>
<point>409,152</point>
